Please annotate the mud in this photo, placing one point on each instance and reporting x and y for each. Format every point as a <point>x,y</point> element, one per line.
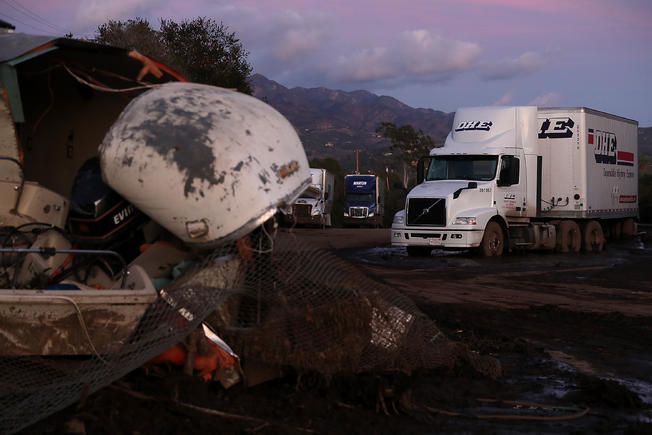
<point>573,334</point>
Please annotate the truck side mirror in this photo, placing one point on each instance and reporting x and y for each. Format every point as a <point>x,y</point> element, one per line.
<point>471,185</point>
<point>421,169</point>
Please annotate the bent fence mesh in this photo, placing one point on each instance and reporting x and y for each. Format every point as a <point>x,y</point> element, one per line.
<point>282,303</point>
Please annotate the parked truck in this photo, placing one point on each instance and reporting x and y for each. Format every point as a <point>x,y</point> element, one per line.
<point>364,200</point>
<point>315,205</point>
<point>524,177</point>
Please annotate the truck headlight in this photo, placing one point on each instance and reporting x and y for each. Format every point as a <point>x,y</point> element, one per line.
<point>371,214</point>
<point>465,220</point>
<point>399,219</point>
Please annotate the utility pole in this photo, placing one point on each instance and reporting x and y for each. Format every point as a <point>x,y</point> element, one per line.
<point>357,165</point>
<point>387,178</point>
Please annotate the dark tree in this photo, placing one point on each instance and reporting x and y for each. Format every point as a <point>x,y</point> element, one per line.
<point>134,34</point>
<point>408,143</point>
<point>201,49</point>
<point>208,52</point>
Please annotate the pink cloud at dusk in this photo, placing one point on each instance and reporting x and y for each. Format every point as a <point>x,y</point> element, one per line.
<point>549,99</point>
<point>414,53</point>
<point>504,100</point>
<point>527,63</point>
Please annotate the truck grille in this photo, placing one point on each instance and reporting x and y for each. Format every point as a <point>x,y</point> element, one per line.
<point>302,210</point>
<point>360,212</point>
<point>426,211</point>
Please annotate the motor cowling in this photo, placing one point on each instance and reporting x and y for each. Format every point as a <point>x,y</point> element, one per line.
<point>98,214</point>
<point>208,164</point>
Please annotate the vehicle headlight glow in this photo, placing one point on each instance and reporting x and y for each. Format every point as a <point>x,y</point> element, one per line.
<point>465,220</point>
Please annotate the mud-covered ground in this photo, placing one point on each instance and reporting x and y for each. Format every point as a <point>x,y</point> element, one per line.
<point>573,334</point>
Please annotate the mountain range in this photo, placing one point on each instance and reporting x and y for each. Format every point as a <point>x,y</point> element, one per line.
<point>334,123</point>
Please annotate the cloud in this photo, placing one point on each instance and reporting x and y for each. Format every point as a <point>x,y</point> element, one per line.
<point>526,64</point>
<point>299,35</point>
<point>505,100</point>
<point>92,13</point>
<point>549,99</point>
<point>414,53</point>
<point>280,42</point>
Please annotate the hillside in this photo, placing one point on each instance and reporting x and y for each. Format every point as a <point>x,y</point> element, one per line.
<point>334,123</point>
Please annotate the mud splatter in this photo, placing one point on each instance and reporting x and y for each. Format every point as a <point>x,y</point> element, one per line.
<point>185,131</point>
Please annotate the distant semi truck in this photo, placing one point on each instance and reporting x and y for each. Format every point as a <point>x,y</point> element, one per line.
<point>524,177</point>
<point>315,205</point>
<point>364,200</point>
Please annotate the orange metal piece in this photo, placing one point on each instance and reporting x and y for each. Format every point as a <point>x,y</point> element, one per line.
<point>206,364</point>
<point>175,355</point>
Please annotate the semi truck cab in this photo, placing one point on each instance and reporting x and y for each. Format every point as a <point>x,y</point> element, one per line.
<point>364,199</point>
<point>518,177</point>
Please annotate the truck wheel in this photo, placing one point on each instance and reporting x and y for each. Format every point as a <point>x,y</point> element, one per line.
<point>493,241</point>
<point>629,227</point>
<point>419,251</point>
<point>593,237</point>
<point>616,230</point>
<point>569,237</point>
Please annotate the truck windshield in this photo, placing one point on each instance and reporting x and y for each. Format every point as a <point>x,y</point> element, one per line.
<point>360,197</point>
<point>309,194</point>
<point>480,168</point>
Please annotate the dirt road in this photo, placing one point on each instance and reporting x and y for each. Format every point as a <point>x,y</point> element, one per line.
<point>573,335</point>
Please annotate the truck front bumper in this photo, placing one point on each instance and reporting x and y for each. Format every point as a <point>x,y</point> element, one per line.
<point>437,238</point>
<point>309,220</point>
<point>367,220</point>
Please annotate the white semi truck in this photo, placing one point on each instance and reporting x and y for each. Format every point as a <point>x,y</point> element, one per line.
<point>315,205</point>
<point>524,177</point>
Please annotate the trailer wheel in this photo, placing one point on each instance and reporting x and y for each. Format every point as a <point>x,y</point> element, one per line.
<point>419,251</point>
<point>593,237</point>
<point>493,241</point>
<point>569,237</point>
<point>629,227</point>
<point>616,230</point>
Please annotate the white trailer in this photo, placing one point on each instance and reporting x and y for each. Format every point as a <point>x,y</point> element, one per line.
<point>314,206</point>
<point>524,177</point>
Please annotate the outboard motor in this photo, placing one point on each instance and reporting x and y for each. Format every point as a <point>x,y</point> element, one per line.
<point>99,217</point>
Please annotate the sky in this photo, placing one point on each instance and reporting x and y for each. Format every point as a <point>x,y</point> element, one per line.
<point>437,54</point>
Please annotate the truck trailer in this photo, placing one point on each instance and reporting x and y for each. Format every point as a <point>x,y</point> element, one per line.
<point>364,200</point>
<point>558,178</point>
<point>314,206</point>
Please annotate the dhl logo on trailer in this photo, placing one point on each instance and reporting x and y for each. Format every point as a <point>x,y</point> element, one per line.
<point>605,149</point>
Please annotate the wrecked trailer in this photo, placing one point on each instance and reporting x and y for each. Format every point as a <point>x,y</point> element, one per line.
<point>87,279</point>
<point>59,97</point>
